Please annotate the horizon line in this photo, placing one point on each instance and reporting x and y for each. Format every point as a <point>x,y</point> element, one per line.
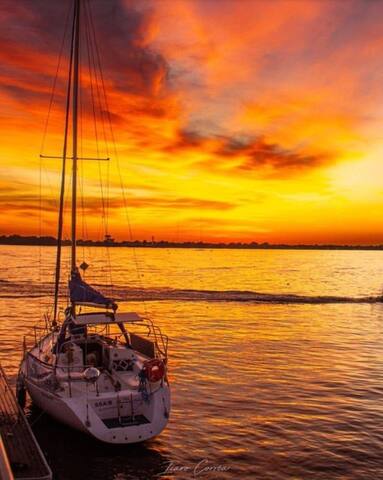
<point>48,240</point>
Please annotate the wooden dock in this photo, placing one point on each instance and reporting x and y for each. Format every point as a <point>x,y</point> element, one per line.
<point>23,453</point>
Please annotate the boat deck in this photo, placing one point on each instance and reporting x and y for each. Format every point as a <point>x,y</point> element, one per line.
<point>25,457</point>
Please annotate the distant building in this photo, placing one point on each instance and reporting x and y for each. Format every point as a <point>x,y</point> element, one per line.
<point>109,239</point>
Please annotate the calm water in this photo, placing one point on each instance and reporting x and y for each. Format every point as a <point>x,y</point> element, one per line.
<point>261,388</point>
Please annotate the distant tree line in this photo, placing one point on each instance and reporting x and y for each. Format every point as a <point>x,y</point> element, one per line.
<point>110,242</point>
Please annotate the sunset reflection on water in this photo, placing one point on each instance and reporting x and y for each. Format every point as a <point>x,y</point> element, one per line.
<point>265,390</point>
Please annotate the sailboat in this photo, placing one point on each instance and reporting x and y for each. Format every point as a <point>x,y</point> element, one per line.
<point>97,370</point>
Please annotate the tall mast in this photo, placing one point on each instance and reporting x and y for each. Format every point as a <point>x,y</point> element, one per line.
<point>76,49</point>
<point>62,189</point>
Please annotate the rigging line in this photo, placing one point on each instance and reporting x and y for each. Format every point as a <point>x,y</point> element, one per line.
<point>55,81</point>
<point>84,232</point>
<point>90,73</point>
<point>84,229</point>
<point>81,151</point>
<point>107,213</point>
<point>80,93</point>
<point>76,48</point>
<point>48,182</point>
<point>67,264</point>
<point>40,234</point>
<point>104,185</point>
<point>97,69</point>
<point>68,233</point>
<point>97,73</point>
<point>82,204</point>
<point>117,160</point>
<point>95,95</point>
<point>90,65</point>
<point>62,188</point>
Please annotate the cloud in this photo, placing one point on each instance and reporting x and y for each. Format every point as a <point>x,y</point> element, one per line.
<point>94,205</point>
<point>181,203</point>
<point>258,153</point>
<point>269,54</point>
<point>134,67</point>
<point>31,32</point>
<point>14,201</point>
<point>243,154</point>
<point>141,93</point>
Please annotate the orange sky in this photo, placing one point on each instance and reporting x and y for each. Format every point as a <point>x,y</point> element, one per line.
<point>234,120</point>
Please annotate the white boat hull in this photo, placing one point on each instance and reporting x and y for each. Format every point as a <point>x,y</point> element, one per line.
<point>115,408</point>
<point>75,413</point>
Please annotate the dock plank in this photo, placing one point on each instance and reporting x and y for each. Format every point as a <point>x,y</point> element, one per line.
<point>24,454</point>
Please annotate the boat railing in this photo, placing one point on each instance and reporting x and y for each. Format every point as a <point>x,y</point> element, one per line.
<point>43,369</point>
<point>52,373</point>
<point>151,331</point>
<point>49,373</point>
<point>35,337</point>
<point>159,339</point>
<point>52,367</point>
<point>146,328</point>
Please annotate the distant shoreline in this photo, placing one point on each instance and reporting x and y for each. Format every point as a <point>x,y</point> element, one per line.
<point>51,241</point>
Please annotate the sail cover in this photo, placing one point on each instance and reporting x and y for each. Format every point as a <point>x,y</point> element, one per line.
<point>81,292</point>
